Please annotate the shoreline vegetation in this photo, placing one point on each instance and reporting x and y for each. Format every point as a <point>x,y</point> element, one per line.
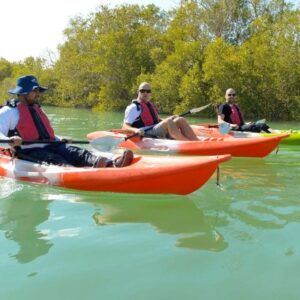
<point>190,55</point>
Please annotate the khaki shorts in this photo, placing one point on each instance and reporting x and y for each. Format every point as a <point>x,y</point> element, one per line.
<point>158,131</point>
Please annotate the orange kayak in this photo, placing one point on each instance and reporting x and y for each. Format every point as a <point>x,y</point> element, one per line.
<point>146,174</point>
<point>207,145</point>
<point>292,138</point>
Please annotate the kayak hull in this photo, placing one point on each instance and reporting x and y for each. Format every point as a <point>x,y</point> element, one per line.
<point>292,136</point>
<point>256,147</point>
<point>151,174</point>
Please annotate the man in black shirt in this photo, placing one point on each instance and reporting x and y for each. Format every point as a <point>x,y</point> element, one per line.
<point>229,112</point>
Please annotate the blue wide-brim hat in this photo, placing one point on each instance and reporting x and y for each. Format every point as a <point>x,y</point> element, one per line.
<point>26,84</point>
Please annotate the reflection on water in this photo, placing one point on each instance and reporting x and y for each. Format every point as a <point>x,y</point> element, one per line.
<point>167,214</point>
<point>257,194</point>
<point>19,219</point>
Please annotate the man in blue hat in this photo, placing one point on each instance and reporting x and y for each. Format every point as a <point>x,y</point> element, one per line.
<point>23,119</point>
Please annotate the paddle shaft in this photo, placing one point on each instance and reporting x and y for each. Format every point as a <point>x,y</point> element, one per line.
<point>24,142</point>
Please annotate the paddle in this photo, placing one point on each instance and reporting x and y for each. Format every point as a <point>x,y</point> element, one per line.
<point>94,143</point>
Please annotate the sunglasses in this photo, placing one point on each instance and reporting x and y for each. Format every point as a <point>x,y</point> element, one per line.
<point>145,91</point>
<point>231,95</point>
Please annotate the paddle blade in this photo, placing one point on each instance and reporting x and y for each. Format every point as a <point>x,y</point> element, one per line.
<point>198,109</point>
<point>224,128</point>
<point>106,143</point>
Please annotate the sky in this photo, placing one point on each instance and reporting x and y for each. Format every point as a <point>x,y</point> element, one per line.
<point>35,27</point>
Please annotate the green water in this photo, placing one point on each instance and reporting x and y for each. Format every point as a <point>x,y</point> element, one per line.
<point>237,241</point>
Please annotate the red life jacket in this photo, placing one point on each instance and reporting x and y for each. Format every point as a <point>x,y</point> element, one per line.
<point>149,115</point>
<point>26,126</point>
<point>236,117</point>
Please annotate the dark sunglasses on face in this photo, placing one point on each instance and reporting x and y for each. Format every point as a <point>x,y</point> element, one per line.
<point>145,91</point>
<point>231,95</point>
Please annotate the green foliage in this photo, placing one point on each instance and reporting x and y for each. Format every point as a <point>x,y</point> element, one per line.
<point>192,91</point>
<point>5,69</point>
<point>168,76</point>
<point>29,66</point>
<point>221,66</point>
<point>109,50</point>
<point>264,70</point>
<point>189,55</point>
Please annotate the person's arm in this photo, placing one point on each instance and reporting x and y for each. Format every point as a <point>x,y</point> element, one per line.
<point>9,118</point>
<point>221,119</point>
<point>131,114</point>
<point>159,119</point>
<point>221,114</point>
<point>127,126</point>
<point>4,123</point>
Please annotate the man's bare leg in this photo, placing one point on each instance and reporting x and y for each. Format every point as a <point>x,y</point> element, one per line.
<point>185,129</point>
<point>173,130</point>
